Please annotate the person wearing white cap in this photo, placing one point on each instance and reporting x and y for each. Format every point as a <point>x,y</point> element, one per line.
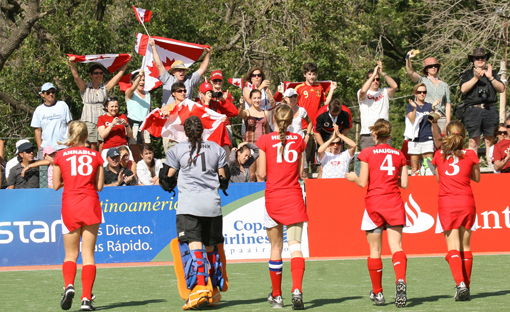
<point>14,161</point>
<point>50,120</point>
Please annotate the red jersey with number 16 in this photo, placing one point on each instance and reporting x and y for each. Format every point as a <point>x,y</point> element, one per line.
<point>80,201</point>
<point>284,197</point>
<point>384,165</point>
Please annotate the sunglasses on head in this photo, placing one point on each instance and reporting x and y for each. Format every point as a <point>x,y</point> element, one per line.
<point>180,91</point>
<point>421,92</point>
<point>97,73</point>
<point>217,81</point>
<point>52,91</point>
<point>336,143</point>
<point>256,75</point>
<point>502,133</point>
<point>479,58</point>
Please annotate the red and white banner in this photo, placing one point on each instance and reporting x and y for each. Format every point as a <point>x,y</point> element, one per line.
<point>142,15</point>
<point>125,81</point>
<point>236,82</point>
<point>111,61</point>
<point>172,127</point>
<point>169,51</point>
<point>341,220</point>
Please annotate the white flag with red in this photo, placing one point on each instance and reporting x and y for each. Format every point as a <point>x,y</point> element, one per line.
<point>169,51</point>
<point>172,126</point>
<point>112,62</point>
<point>249,85</point>
<point>143,15</point>
<point>236,82</point>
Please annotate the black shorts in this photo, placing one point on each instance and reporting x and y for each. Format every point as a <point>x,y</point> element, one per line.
<point>208,230</point>
<point>481,120</point>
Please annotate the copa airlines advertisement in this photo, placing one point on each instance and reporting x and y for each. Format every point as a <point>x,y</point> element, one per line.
<point>340,217</point>
<point>139,225</point>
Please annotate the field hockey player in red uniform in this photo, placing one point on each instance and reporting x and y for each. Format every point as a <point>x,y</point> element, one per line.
<point>384,170</point>
<point>80,171</point>
<point>281,159</point>
<point>456,212</point>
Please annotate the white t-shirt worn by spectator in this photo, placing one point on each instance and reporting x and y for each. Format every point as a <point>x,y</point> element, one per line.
<point>144,174</point>
<point>335,165</point>
<point>296,126</point>
<point>53,121</point>
<point>374,106</point>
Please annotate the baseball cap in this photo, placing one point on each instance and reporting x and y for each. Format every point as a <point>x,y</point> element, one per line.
<point>48,150</point>
<point>289,92</point>
<point>24,146</point>
<point>19,143</point>
<point>47,86</point>
<point>204,87</point>
<point>112,152</point>
<point>217,74</point>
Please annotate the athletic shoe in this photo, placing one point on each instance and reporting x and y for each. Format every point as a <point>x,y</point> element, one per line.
<point>297,300</point>
<point>277,301</point>
<point>378,299</point>
<point>400,294</point>
<point>67,298</point>
<point>462,293</point>
<point>216,297</point>
<point>86,305</point>
<point>198,298</point>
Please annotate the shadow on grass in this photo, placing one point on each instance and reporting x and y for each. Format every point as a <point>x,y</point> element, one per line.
<point>129,304</point>
<point>411,302</point>
<point>320,302</point>
<point>490,294</point>
<point>231,303</point>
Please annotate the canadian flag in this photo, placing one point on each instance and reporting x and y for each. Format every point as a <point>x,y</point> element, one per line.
<point>173,125</point>
<point>236,82</point>
<point>249,85</point>
<point>111,61</point>
<point>125,81</point>
<point>169,51</point>
<point>142,15</point>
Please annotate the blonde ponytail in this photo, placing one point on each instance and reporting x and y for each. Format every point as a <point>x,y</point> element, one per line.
<point>283,116</point>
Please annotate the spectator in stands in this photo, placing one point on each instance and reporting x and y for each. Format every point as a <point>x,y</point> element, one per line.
<point>258,81</point>
<point>94,94</point>
<point>256,120</point>
<point>335,163</point>
<point>148,168</point>
<point>502,151</point>
<point>421,142</point>
<point>138,103</point>
<point>15,160</point>
<point>311,97</point>
<point>325,122</point>
<point>125,162</point>
<point>50,120</point>
<point>113,127</point>
<point>436,88</point>
<point>31,178</point>
<point>114,173</point>
<point>223,102</point>
<point>374,102</point>
<point>500,133</point>
<point>240,160</point>
<point>49,154</point>
<point>480,86</point>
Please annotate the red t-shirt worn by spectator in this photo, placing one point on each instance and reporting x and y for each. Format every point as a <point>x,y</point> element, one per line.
<point>226,107</point>
<point>284,197</point>
<point>80,201</point>
<point>117,136</point>
<point>310,98</point>
<point>499,153</point>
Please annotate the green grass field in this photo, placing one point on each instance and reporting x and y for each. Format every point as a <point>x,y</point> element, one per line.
<point>341,285</point>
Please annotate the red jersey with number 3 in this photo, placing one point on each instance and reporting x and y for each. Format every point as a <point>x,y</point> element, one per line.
<point>284,196</point>
<point>384,165</point>
<point>310,98</point>
<point>80,201</point>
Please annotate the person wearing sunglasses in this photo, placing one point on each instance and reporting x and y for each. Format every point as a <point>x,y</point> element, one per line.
<point>30,178</point>
<point>94,95</point>
<point>502,151</point>
<point>50,120</point>
<point>258,81</point>
<point>436,88</point>
<point>223,103</point>
<point>335,162</point>
<point>420,139</point>
<point>500,133</point>
<point>480,86</point>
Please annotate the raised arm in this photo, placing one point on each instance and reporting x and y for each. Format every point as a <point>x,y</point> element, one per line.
<point>330,93</point>
<point>205,63</point>
<point>322,149</point>
<point>155,55</point>
<point>367,84</point>
<point>74,71</point>
<point>115,80</point>
<point>129,92</point>
<point>499,86</point>
<point>409,67</point>
<point>351,143</point>
<point>391,83</point>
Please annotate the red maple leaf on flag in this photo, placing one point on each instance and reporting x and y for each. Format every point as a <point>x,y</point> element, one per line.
<point>168,63</point>
<point>236,83</point>
<point>153,70</point>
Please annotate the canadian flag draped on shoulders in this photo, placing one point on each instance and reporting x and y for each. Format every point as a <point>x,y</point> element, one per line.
<point>169,51</point>
<point>112,62</point>
<point>172,126</point>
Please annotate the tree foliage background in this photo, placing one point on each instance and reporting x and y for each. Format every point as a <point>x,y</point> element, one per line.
<point>344,37</point>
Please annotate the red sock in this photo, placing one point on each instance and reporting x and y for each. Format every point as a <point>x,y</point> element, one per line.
<point>455,262</point>
<point>375,270</point>
<point>69,272</point>
<point>297,267</point>
<point>275,271</point>
<point>201,266</point>
<point>211,256</point>
<point>88,275</point>
<point>400,265</point>
<point>467,265</point>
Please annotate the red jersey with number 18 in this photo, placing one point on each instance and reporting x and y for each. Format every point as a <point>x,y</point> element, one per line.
<point>383,194</point>
<point>284,197</point>
<point>80,201</point>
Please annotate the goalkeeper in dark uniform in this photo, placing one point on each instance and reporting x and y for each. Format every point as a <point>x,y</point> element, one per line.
<point>202,170</point>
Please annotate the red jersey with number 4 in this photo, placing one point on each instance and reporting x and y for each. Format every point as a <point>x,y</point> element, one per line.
<point>80,201</point>
<point>310,98</point>
<point>384,165</point>
<point>284,197</point>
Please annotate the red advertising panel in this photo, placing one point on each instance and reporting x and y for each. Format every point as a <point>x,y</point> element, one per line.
<point>336,206</point>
